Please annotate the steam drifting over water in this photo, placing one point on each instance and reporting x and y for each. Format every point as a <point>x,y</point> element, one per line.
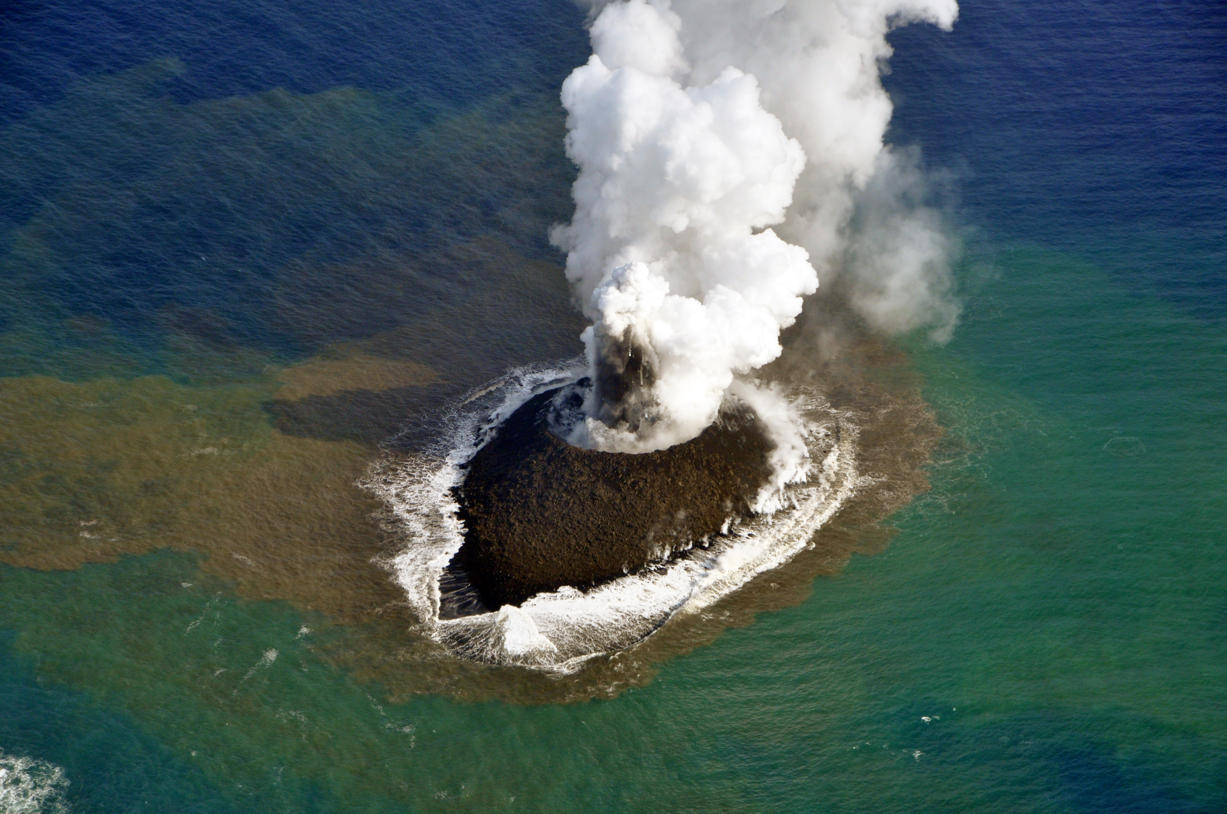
<point>730,155</point>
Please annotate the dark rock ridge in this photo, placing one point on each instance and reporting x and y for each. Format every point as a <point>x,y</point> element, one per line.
<point>540,513</point>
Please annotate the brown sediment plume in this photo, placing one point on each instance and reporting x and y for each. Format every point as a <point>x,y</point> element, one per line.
<point>253,465</point>
<point>342,374</point>
<point>540,513</point>
<point>873,387</point>
<point>95,470</point>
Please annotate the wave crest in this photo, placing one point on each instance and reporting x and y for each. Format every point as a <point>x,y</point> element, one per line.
<point>815,467</point>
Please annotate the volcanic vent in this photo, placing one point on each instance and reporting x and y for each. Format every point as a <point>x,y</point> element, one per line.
<point>698,129</point>
<point>540,513</point>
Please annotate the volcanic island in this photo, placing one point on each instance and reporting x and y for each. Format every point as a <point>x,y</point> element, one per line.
<point>540,513</point>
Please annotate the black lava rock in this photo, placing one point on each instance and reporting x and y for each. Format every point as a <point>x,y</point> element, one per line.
<point>540,513</point>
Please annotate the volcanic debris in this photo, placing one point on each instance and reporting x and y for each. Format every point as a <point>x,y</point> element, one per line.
<point>540,513</point>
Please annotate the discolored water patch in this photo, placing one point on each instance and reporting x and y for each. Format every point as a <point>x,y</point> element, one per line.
<point>875,437</point>
<point>93,471</point>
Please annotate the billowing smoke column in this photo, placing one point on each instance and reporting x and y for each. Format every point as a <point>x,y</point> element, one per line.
<point>729,150</point>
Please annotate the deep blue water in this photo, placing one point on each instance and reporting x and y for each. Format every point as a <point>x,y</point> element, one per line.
<point>1096,129</point>
<point>107,105</point>
<point>442,52</point>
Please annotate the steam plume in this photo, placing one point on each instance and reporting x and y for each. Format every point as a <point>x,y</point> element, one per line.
<point>730,151</point>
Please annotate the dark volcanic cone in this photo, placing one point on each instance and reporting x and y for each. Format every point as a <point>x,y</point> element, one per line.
<point>540,513</point>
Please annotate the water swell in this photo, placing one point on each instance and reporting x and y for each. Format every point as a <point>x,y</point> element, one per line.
<point>562,629</point>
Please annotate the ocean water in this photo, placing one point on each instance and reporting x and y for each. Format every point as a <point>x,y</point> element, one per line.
<point>243,247</point>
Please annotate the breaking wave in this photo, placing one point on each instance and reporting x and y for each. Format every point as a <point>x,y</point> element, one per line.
<point>561,629</point>
<point>29,786</point>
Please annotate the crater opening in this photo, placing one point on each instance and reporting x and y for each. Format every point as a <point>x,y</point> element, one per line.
<point>540,513</point>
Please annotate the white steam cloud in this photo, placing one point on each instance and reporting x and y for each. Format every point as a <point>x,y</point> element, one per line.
<point>730,152</point>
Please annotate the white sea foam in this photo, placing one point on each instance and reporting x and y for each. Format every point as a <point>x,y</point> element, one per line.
<point>29,786</point>
<point>561,629</point>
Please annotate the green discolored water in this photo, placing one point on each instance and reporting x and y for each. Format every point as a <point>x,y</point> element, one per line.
<point>1041,634</point>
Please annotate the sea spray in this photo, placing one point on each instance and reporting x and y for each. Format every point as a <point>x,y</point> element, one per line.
<point>30,786</point>
<point>729,152</point>
<point>559,630</point>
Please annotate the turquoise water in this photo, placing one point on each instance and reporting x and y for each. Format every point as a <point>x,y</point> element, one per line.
<point>241,249</point>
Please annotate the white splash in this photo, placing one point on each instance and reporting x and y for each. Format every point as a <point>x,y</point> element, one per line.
<point>29,786</point>
<point>561,629</point>
<point>728,152</point>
